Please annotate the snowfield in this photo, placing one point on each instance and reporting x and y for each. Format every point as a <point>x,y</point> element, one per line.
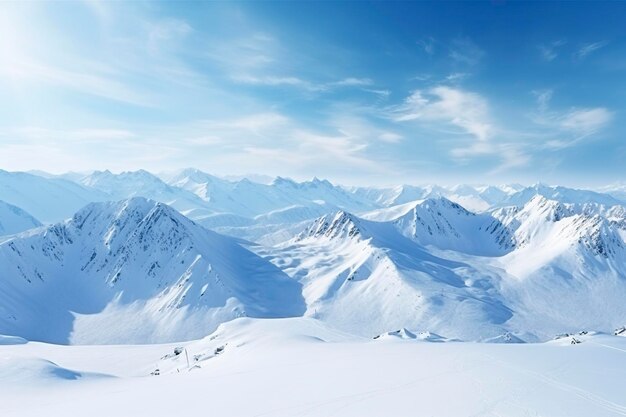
<point>302,367</point>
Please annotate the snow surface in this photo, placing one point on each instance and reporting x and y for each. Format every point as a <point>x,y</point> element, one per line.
<point>14,220</point>
<point>302,367</point>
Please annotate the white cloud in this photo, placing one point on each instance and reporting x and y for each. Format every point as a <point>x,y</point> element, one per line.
<point>512,156</point>
<point>275,81</point>
<point>290,81</point>
<point>421,77</point>
<point>587,48</point>
<point>390,137</point>
<point>427,44</point>
<point>584,122</point>
<point>464,109</point>
<point>465,51</point>
<point>252,52</point>
<point>469,112</point>
<point>259,123</point>
<point>166,30</point>
<point>543,98</point>
<point>352,81</point>
<point>456,76</point>
<point>41,135</point>
<point>563,129</point>
<point>550,51</point>
<point>85,82</point>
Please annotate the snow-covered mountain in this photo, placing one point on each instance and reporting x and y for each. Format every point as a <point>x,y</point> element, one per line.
<point>617,190</point>
<point>247,198</point>
<point>14,220</point>
<point>366,277</point>
<point>433,265</point>
<point>446,225</point>
<point>474,198</point>
<point>47,199</point>
<point>144,184</point>
<point>134,271</point>
<point>516,263</point>
<point>557,193</point>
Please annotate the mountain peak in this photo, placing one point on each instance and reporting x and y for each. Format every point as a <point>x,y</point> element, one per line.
<point>282,181</point>
<point>140,272</point>
<point>338,225</point>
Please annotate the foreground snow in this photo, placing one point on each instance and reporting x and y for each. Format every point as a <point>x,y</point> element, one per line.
<point>301,367</point>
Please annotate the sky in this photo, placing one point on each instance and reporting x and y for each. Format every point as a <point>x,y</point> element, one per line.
<point>357,92</point>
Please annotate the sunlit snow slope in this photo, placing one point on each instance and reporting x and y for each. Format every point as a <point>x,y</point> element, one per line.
<point>133,271</point>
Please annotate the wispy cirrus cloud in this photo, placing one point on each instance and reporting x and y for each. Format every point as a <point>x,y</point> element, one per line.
<point>292,81</point>
<point>352,82</point>
<point>580,124</point>
<point>427,44</point>
<point>463,109</point>
<point>566,128</point>
<point>543,98</point>
<point>273,81</point>
<point>587,48</point>
<point>469,112</point>
<point>465,51</point>
<point>551,50</point>
<point>456,77</point>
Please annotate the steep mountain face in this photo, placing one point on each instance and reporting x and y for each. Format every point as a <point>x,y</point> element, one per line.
<point>365,277</point>
<point>540,217</point>
<point>529,272</point>
<point>134,271</point>
<point>47,199</point>
<point>446,225</point>
<point>341,224</point>
<point>526,262</point>
<point>14,220</point>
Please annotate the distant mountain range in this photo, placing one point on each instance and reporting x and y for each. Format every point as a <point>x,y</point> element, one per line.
<point>135,257</point>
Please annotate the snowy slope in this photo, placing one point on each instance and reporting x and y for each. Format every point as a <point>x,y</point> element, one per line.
<point>366,278</point>
<point>535,271</point>
<point>446,225</point>
<point>47,199</point>
<point>289,367</point>
<point>133,271</point>
<point>14,220</point>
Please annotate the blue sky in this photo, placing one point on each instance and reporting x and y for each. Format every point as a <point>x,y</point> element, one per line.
<point>357,92</point>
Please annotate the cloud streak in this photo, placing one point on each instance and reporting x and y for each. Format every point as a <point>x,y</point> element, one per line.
<point>587,48</point>
<point>465,51</point>
<point>551,50</point>
<point>463,109</point>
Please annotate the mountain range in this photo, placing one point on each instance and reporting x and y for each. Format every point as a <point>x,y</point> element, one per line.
<point>142,258</point>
